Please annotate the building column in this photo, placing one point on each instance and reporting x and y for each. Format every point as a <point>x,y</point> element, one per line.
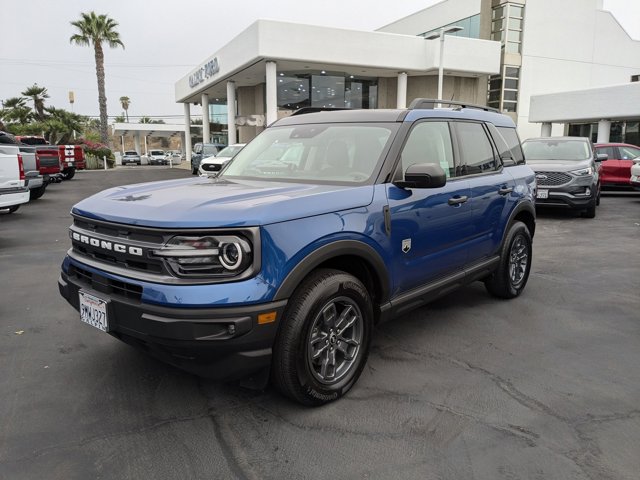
<point>122,142</point>
<point>136,140</point>
<point>187,132</point>
<point>146,146</point>
<point>604,129</point>
<point>231,112</point>
<point>546,129</point>
<point>401,101</point>
<point>206,134</point>
<point>271,93</point>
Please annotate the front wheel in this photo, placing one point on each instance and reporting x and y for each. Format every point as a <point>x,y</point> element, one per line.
<point>510,278</point>
<point>323,342</point>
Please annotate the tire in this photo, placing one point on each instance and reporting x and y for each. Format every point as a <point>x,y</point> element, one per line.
<point>590,212</point>
<point>318,311</point>
<point>69,173</point>
<point>510,278</point>
<point>36,193</point>
<point>11,209</point>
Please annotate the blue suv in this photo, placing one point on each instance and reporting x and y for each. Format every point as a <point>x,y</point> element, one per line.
<point>325,225</point>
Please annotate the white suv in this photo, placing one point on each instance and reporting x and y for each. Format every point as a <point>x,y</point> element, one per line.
<point>157,157</point>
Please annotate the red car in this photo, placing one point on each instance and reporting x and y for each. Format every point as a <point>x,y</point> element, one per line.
<point>616,170</point>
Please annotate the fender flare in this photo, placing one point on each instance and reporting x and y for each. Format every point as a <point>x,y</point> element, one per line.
<point>520,207</point>
<point>332,250</point>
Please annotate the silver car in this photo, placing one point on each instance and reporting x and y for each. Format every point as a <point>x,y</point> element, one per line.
<point>131,157</point>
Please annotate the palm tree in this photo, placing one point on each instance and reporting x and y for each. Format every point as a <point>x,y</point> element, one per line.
<point>16,110</point>
<point>95,30</point>
<point>38,95</point>
<point>125,101</point>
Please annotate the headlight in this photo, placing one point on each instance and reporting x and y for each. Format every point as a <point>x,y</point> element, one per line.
<point>207,256</point>
<point>583,171</point>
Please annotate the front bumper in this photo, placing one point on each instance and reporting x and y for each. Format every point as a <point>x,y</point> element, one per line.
<point>578,194</point>
<point>225,343</point>
<point>635,181</point>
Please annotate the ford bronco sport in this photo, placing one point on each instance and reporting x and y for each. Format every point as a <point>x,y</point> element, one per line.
<point>324,225</point>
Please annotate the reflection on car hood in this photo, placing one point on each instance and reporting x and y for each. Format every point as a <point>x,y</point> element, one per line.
<point>201,202</point>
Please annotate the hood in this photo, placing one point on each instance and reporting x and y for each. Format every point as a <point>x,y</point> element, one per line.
<point>558,165</point>
<point>205,203</point>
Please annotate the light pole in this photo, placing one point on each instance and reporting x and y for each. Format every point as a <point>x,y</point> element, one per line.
<point>443,31</point>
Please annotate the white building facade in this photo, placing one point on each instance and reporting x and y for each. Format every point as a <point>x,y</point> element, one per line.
<point>507,52</point>
<point>548,46</point>
<point>262,74</point>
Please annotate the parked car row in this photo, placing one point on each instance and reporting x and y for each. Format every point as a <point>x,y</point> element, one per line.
<point>29,163</point>
<point>154,157</point>
<point>571,172</point>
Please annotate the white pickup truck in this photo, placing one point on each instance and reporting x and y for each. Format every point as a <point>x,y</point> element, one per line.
<point>13,192</point>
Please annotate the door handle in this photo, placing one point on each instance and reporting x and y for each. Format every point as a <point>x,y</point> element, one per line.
<point>458,200</point>
<point>505,190</point>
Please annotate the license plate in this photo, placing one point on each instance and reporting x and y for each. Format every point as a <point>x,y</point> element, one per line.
<point>93,310</point>
<point>542,194</point>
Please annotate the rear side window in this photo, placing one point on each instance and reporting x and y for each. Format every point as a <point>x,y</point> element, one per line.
<point>513,142</point>
<point>475,149</point>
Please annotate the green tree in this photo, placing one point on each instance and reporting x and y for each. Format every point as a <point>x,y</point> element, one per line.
<point>125,102</point>
<point>16,111</point>
<point>94,30</point>
<point>38,95</point>
<point>61,124</point>
<point>119,119</point>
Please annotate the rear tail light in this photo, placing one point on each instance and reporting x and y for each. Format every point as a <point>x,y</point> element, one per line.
<point>21,167</point>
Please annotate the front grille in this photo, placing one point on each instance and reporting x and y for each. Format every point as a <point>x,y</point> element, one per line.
<point>553,179</point>
<point>103,284</point>
<point>146,239</point>
<point>211,167</point>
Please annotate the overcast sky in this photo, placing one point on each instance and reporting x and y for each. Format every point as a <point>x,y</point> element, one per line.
<point>164,40</point>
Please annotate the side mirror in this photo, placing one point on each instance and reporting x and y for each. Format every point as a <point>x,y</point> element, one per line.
<point>601,157</point>
<point>423,175</point>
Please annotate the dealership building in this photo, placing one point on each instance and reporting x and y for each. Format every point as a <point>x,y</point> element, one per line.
<point>507,52</point>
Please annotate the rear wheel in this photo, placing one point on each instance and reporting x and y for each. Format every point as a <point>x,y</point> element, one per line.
<point>323,341</point>
<point>68,173</point>
<point>36,193</point>
<point>510,278</point>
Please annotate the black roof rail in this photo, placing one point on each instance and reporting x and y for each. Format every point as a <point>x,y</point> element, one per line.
<point>303,110</point>
<point>431,103</point>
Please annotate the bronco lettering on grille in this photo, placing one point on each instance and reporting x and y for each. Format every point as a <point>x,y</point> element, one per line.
<point>105,245</point>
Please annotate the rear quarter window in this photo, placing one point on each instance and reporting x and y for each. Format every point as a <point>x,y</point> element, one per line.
<point>512,140</point>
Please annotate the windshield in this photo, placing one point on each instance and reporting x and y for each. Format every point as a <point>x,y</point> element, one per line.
<point>209,150</point>
<point>314,152</point>
<point>131,153</point>
<point>157,152</point>
<point>550,149</point>
<point>229,152</point>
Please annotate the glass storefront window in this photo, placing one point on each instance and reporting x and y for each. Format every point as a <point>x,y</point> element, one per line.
<point>511,83</point>
<point>510,95</point>
<point>515,23</point>
<point>470,28</point>
<point>298,90</point>
<point>510,107</point>
<point>513,47</point>
<point>293,92</point>
<point>515,11</point>
<point>498,12</point>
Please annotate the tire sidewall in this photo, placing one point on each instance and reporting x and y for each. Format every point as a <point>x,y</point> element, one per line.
<point>519,230</point>
<point>338,285</point>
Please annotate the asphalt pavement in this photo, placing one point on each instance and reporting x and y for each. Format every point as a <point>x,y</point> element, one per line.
<point>546,386</point>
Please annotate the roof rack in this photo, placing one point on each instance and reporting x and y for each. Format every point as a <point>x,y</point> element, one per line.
<point>303,110</point>
<point>431,103</point>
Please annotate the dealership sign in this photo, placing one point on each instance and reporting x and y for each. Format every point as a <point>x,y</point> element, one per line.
<point>206,71</point>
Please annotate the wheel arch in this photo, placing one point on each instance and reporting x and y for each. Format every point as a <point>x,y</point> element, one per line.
<point>351,256</point>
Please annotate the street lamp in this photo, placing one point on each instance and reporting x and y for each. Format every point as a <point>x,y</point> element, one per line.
<point>441,33</point>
